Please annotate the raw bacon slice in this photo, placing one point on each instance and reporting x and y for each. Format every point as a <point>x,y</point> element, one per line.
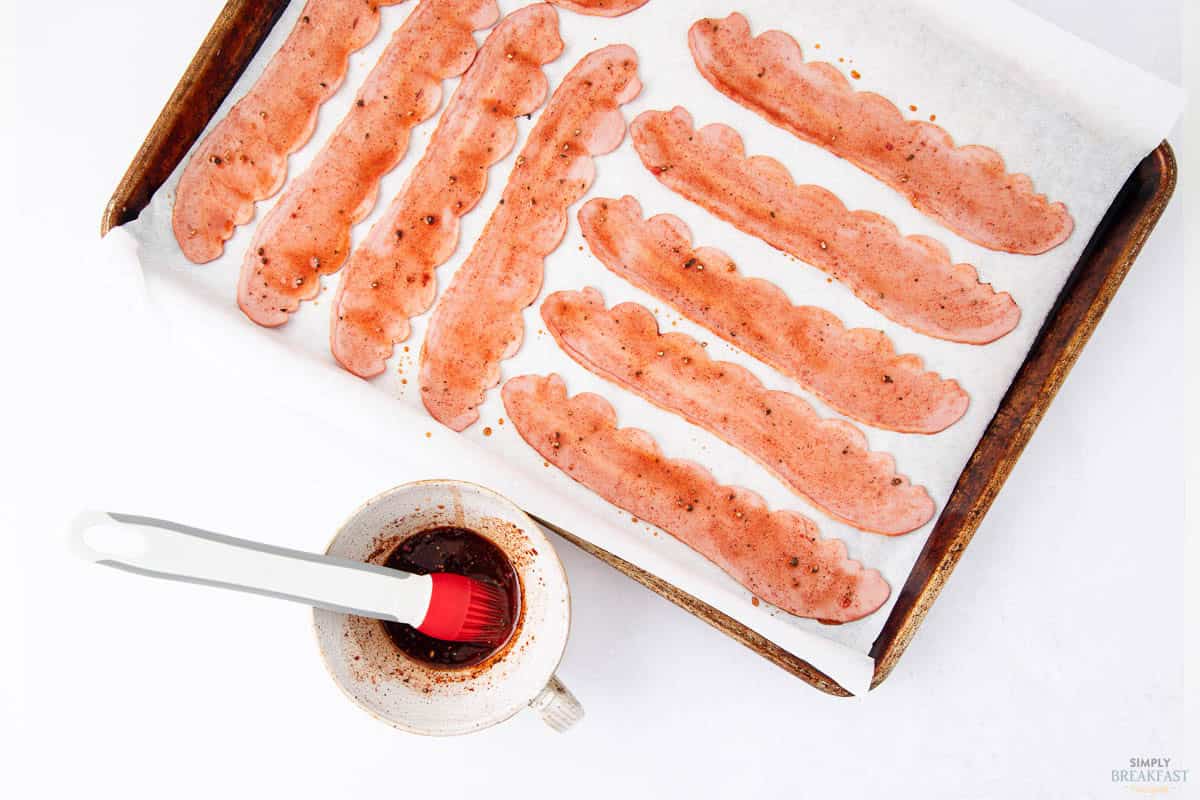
<point>601,8</point>
<point>826,461</point>
<point>389,277</point>
<point>967,189</point>
<point>244,158</point>
<point>307,233</point>
<point>855,371</point>
<point>477,323</point>
<point>909,279</point>
<point>779,556</point>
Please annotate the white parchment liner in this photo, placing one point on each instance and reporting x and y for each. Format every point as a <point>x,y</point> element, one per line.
<point>1074,118</point>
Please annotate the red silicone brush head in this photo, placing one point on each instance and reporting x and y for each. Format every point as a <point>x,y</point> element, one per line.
<point>466,610</point>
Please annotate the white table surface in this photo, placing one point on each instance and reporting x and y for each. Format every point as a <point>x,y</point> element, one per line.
<point>1053,656</point>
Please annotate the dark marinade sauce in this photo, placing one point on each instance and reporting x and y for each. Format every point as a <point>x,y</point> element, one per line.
<point>463,552</point>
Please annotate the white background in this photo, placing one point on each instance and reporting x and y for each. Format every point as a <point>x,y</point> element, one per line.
<point>124,688</point>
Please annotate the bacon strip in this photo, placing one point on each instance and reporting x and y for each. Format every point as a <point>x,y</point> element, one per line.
<point>909,279</point>
<point>307,233</point>
<point>779,556</point>
<point>856,371</point>
<point>477,323</point>
<point>389,277</point>
<point>244,158</point>
<point>967,189</point>
<point>826,461</point>
<point>601,8</point>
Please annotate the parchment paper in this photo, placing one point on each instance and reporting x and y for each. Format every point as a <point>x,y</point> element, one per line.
<point>1075,119</point>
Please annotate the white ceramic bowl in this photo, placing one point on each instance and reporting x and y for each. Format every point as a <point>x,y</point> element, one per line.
<point>416,697</point>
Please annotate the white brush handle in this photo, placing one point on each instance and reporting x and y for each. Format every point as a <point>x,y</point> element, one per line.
<point>165,549</point>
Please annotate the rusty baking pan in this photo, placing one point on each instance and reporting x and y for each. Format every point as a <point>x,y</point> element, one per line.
<point>244,24</point>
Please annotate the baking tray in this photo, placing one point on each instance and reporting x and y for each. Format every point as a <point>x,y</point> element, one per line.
<point>244,24</point>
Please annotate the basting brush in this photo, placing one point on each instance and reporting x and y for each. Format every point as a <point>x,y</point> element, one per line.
<point>442,605</point>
